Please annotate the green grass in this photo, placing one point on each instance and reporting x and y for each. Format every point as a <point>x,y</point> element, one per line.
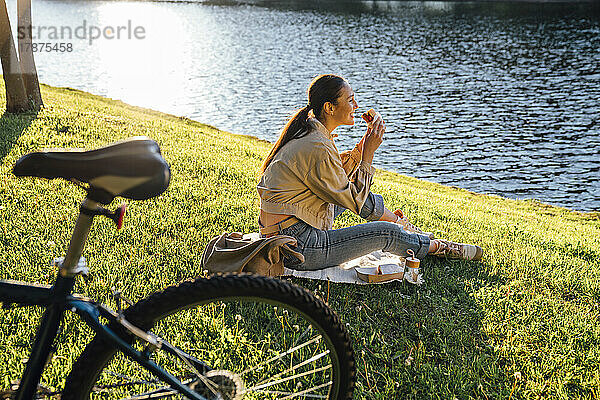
<point>523,323</point>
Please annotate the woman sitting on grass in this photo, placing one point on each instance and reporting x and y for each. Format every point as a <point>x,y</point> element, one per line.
<point>306,183</point>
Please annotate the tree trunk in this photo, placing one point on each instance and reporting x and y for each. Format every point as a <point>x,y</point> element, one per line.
<point>16,97</point>
<point>28,70</point>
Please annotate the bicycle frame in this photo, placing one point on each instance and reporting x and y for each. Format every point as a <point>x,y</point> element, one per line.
<point>58,298</point>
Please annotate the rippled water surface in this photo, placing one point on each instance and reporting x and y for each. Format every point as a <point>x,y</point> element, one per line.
<point>495,98</point>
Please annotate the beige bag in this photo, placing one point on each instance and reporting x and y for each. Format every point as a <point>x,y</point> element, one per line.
<point>231,252</point>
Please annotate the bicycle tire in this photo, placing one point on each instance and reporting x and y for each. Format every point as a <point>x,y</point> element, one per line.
<point>252,291</point>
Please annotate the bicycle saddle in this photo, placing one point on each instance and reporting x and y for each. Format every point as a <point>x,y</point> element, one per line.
<point>132,168</point>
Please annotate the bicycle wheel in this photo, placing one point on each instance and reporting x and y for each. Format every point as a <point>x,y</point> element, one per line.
<point>263,338</point>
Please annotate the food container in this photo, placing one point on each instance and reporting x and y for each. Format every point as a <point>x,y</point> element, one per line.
<point>380,273</point>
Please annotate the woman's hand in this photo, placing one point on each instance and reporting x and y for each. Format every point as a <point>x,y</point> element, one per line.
<point>373,138</point>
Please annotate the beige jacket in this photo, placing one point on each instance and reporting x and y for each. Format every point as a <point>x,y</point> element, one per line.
<point>308,176</point>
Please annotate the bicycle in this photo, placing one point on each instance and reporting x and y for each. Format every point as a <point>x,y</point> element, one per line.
<point>221,337</point>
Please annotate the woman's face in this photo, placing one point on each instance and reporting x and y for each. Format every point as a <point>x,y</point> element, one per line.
<point>343,111</point>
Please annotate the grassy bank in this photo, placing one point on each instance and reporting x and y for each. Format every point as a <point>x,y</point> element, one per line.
<point>523,323</point>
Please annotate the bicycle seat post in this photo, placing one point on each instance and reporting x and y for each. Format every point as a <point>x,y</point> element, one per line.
<point>73,263</point>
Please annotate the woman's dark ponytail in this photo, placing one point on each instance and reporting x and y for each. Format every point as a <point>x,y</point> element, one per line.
<point>297,126</point>
<point>323,88</point>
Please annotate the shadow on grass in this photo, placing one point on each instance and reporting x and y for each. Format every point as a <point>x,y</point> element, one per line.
<point>424,341</point>
<point>12,127</point>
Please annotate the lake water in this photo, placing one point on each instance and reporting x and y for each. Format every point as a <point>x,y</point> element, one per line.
<point>499,98</point>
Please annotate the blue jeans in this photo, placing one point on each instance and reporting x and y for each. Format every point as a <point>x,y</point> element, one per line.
<point>325,248</point>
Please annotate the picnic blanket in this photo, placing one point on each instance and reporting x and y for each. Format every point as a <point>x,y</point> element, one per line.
<point>346,272</point>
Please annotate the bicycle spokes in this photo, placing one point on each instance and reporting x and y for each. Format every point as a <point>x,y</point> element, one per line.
<point>284,358</point>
